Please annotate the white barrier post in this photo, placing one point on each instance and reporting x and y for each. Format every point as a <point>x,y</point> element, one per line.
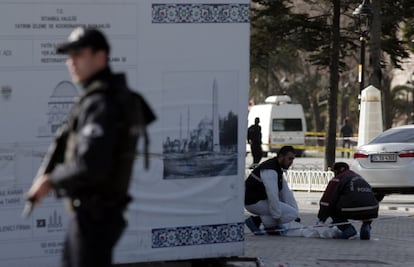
<point>370,116</point>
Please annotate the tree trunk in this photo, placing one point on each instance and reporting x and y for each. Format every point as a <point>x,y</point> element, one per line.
<point>316,116</point>
<point>330,146</point>
<point>376,77</point>
<point>375,45</point>
<point>316,113</point>
<point>387,100</point>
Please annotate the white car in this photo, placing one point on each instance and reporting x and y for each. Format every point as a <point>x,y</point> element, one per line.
<point>387,161</point>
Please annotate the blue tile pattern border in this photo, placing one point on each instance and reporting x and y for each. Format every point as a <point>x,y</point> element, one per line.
<point>200,13</point>
<point>197,235</point>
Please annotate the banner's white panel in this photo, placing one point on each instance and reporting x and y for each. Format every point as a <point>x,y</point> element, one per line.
<point>190,59</point>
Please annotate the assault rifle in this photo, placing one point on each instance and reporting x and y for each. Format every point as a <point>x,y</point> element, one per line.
<point>54,155</point>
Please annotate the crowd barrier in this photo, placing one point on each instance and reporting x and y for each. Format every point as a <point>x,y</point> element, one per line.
<point>308,180</point>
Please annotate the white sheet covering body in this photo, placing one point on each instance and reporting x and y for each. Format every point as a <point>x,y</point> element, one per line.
<point>190,60</point>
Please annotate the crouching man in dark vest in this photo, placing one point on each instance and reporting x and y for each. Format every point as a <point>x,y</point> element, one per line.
<point>348,196</point>
<point>268,196</point>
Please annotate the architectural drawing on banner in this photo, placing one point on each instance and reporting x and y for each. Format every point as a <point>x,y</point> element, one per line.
<point>7,166</point>
<point>200,135</point>
<point>58,107</point>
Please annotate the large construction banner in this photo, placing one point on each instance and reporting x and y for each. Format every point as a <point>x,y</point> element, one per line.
<point>190,60</point>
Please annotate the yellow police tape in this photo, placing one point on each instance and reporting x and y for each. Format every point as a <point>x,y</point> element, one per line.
<point>318,137</point>
<point>309,147</point>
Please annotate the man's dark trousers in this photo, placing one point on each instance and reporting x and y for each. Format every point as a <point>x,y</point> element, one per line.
<point>256,150</point>
<point>91,237</point>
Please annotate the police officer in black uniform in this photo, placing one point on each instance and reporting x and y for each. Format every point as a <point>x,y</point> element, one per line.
<point>348,196</point>
<point>99,152</point>
<point>254,138</point>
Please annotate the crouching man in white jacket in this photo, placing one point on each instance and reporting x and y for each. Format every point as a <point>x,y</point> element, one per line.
<point>268,196</point>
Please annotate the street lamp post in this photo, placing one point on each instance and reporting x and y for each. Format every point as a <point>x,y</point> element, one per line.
<point>363,17</point>
<point>284,84</point>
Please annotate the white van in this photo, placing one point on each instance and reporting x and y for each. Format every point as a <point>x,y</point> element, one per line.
<point>282,122</point>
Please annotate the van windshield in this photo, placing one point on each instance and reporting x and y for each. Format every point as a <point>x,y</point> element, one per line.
<point>286,125</point>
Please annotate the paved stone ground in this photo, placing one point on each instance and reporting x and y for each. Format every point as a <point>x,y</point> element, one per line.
<point>391,244</point>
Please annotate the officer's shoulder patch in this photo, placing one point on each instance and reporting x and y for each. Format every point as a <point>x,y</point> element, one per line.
<point>92,130</point>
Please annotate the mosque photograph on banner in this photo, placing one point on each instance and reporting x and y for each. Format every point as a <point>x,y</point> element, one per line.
<point>200,121</point>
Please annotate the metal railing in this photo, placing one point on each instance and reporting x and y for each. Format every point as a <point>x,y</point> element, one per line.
<point>308,180</point>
